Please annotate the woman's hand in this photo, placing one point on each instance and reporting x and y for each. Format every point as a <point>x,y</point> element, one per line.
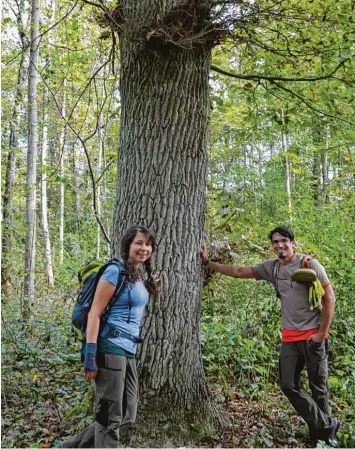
<point>90,375</point>
<point>90,366</point>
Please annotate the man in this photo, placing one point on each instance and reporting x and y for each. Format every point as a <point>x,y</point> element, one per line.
<point>304,329</point>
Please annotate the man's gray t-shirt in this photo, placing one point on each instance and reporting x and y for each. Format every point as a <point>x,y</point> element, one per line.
<point>294,295</point>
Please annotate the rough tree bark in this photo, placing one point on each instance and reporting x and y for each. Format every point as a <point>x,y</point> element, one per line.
<point>161,184</point>
<point>9,189</point>
<point>30,243</point>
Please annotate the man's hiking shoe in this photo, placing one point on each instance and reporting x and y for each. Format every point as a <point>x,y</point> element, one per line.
<point>330,440</point>
<point>333,431</point>
<point>311,442</point>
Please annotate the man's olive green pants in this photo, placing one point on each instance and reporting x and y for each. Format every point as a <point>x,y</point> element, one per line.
<point>116,387</point>
<point>312,408</point>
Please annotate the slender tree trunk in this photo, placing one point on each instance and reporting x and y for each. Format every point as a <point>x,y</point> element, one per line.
<point>75,179</point>
<point>109,221</point>
<point>9,189</point>
<point>245,163</point>
<point>162,184</point>
<point>325,166</point>
<point>287,166</point>
<point>104,196</point>
<point>317,182</point>
<point>30,243</point>
<point>98,191</point>
<point>288,182</point>
<point>44,208</point>
<point>44,200</point>
<point>258,197</point>
<point>62,188</point>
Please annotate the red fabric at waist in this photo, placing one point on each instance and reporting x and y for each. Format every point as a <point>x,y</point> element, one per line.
<point>289,335</point>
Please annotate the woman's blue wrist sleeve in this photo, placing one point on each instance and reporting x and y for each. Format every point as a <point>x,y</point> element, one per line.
<point>90,357</point>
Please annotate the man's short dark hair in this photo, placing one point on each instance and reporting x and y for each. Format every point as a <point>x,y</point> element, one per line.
<point>284,231</point>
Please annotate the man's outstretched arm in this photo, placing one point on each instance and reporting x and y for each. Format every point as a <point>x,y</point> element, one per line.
<point>228,270</point>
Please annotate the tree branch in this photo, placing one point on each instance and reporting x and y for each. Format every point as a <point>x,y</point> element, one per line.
<point>317,111</point>
<point>95,4</point>
<point>278,78</point>
<point>103,172</point>
<point>45,32</point>
<point>82,141</point>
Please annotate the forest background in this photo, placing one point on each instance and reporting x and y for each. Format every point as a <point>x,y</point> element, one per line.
<point>281,151</point>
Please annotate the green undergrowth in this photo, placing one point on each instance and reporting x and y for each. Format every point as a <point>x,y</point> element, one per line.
<point>45,398</point>
<point>41,385</point>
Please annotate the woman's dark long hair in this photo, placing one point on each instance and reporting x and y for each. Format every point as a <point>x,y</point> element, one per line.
<point>134,273</point>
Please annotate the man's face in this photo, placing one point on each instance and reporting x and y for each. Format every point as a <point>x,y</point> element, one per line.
<point>282,246</point>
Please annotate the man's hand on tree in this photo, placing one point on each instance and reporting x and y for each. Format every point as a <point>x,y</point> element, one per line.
<point>204,254</point>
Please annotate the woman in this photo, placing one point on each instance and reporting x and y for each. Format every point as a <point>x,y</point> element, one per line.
<point>110,353</point>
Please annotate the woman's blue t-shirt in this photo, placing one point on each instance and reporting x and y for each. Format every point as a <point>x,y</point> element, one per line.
<point>121,316</point>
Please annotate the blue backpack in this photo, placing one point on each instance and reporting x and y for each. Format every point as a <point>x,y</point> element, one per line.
<point>89,276</point>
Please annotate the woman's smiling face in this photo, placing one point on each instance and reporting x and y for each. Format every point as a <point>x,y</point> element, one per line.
<point>140,249</point>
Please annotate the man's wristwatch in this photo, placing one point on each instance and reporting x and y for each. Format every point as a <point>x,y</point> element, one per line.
<point>206,262</point>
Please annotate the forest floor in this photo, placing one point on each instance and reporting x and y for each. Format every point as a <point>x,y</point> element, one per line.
<point>259,423</point>
<point>36,420</point>
<point>44,398</point>
<point>267,422</point>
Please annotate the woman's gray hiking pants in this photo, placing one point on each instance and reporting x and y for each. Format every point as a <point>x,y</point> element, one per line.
<point>116,387</point>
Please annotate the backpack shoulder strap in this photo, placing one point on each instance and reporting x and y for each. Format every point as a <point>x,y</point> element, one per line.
<point>121,279</point>
<point>274,270</point>
<point>98,276</point>
<point>306,261</point>
<point>120,271</point>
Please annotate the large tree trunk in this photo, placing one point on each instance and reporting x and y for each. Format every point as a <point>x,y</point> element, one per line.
<point>30,243</point>
<point>161,184</point>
